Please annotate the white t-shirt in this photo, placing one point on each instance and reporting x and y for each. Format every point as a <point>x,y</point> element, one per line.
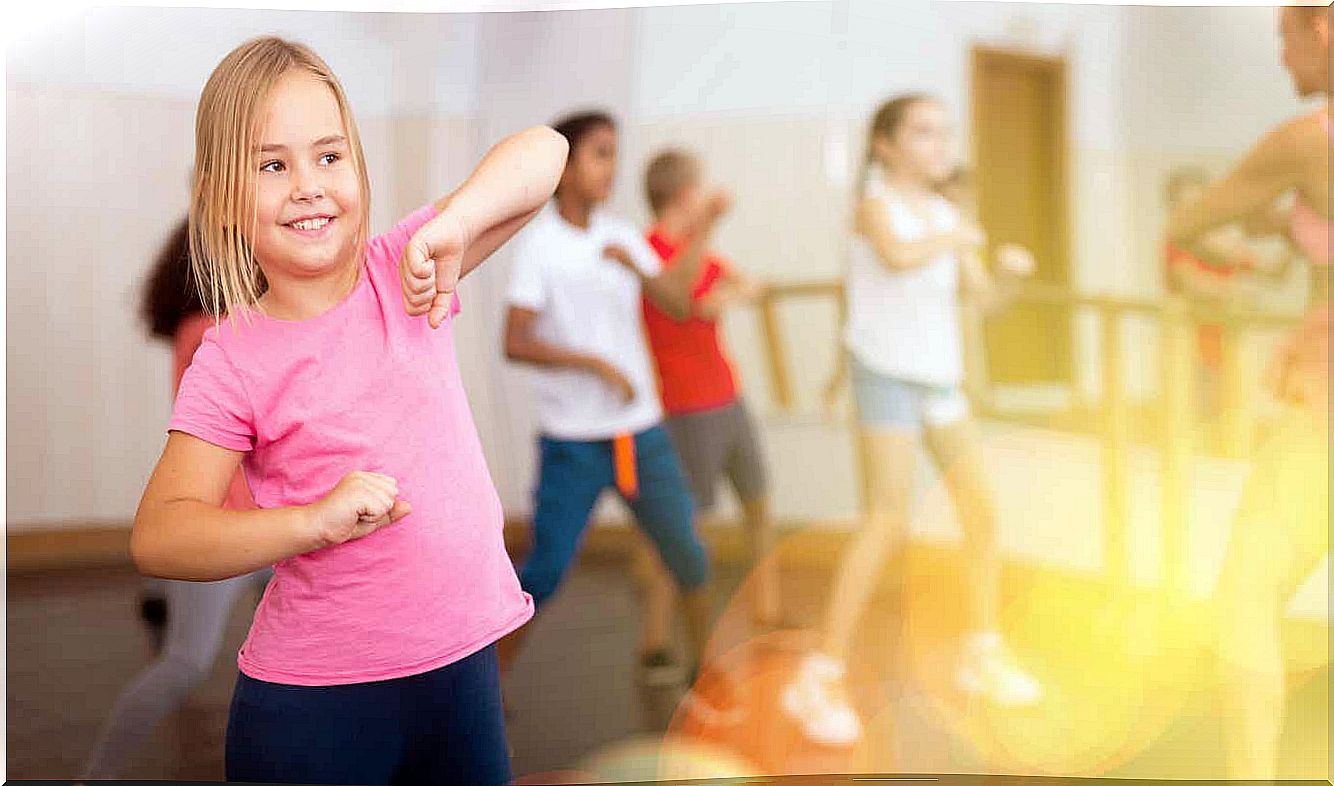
<point>905,324</point>
<point>589,304</point>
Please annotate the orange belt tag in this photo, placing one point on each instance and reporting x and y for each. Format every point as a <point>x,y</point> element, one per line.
<point>623,456</point>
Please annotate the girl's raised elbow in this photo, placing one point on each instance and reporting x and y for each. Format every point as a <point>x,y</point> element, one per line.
<point>552,150</point>
<point>558,144</point>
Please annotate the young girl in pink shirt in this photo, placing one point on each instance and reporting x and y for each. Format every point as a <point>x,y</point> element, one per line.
<point>371,658</point>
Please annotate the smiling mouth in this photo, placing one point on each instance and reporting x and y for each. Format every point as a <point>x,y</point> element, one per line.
<point>311,224</point>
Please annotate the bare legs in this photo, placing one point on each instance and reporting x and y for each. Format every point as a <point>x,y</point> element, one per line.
<point>1279,536</point>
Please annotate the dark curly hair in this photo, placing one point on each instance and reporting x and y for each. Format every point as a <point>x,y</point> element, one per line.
<point>170,293</point>
<point>575,127</point>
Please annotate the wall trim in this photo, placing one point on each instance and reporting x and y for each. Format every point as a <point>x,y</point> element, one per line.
<point>69,545</point>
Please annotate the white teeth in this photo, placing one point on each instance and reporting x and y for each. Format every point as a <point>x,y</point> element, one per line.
<point>311,223</point>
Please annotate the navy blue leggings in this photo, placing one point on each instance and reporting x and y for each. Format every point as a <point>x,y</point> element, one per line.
<point>443,726</point>
<point>571,477</point>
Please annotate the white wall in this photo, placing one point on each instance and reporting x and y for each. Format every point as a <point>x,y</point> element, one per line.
<point>1204,82</point>
<point>773,96</point>
<point>814,72</point>
<point>171,51</point>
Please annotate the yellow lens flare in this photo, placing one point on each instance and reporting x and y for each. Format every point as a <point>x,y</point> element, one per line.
<point>1119,665</point>
<point>1116,668</point>
<point>749,666</point>
<point>1305,650</point>
<point>753,675</point>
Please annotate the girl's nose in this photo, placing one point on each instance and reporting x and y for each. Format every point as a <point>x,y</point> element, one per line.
<point>306,185</point>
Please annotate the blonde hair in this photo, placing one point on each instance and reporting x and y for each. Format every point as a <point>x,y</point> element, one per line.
<point>223,200</point>
<point>668,173</point>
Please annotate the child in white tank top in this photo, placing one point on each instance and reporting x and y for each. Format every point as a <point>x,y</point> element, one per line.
<point>908,257</point>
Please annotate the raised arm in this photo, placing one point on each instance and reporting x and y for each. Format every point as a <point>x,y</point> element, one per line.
<point>1275,165</point>
<point>671,289</point>
<point>509,186</point>
<point>734,288</point>
<point>898,254</point>
<point>977,282</point>
<point>990,292</point>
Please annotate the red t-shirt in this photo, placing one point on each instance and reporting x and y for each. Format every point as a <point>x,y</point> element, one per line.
<point>693,373</point>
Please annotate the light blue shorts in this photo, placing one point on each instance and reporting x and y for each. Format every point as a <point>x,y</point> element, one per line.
<point>888,402</point>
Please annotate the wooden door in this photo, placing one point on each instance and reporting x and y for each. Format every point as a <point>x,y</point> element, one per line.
<point>1019,140</point>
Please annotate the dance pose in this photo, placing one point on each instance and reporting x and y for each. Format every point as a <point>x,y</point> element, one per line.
<point>332,382</point>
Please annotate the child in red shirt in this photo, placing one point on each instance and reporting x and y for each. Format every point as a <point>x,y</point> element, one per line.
<point>708,421</point>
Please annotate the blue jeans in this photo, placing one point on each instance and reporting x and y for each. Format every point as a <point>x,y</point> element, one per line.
<point>571,476</point>
<point>442,726</point>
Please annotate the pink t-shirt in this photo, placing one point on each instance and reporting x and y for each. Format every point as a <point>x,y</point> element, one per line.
<point>189,335</point>
<point>365,387</point>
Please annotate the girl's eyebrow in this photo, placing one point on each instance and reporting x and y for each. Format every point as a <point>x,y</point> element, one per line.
<point>331,139</point>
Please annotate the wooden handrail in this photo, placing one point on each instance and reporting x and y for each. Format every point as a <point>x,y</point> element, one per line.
<point>1037,292</point>
<point>1235,322</point>
<point>792,289</point>
<point>1178,319</point>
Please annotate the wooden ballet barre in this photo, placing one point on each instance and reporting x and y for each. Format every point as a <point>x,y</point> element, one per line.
<point>1178,320</point>
<point>1234,319</point>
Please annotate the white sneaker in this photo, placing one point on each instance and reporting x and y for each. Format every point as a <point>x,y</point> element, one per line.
<point>823,716</point>
<point>988,669</point>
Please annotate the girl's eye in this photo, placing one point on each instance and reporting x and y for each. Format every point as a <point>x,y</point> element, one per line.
<point>271,166</point>
<point>329,157</point>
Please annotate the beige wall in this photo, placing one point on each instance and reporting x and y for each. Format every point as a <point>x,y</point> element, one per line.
<point>84,220</point>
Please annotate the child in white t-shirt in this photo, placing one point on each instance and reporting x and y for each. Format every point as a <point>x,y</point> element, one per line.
<point>575,318</point>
